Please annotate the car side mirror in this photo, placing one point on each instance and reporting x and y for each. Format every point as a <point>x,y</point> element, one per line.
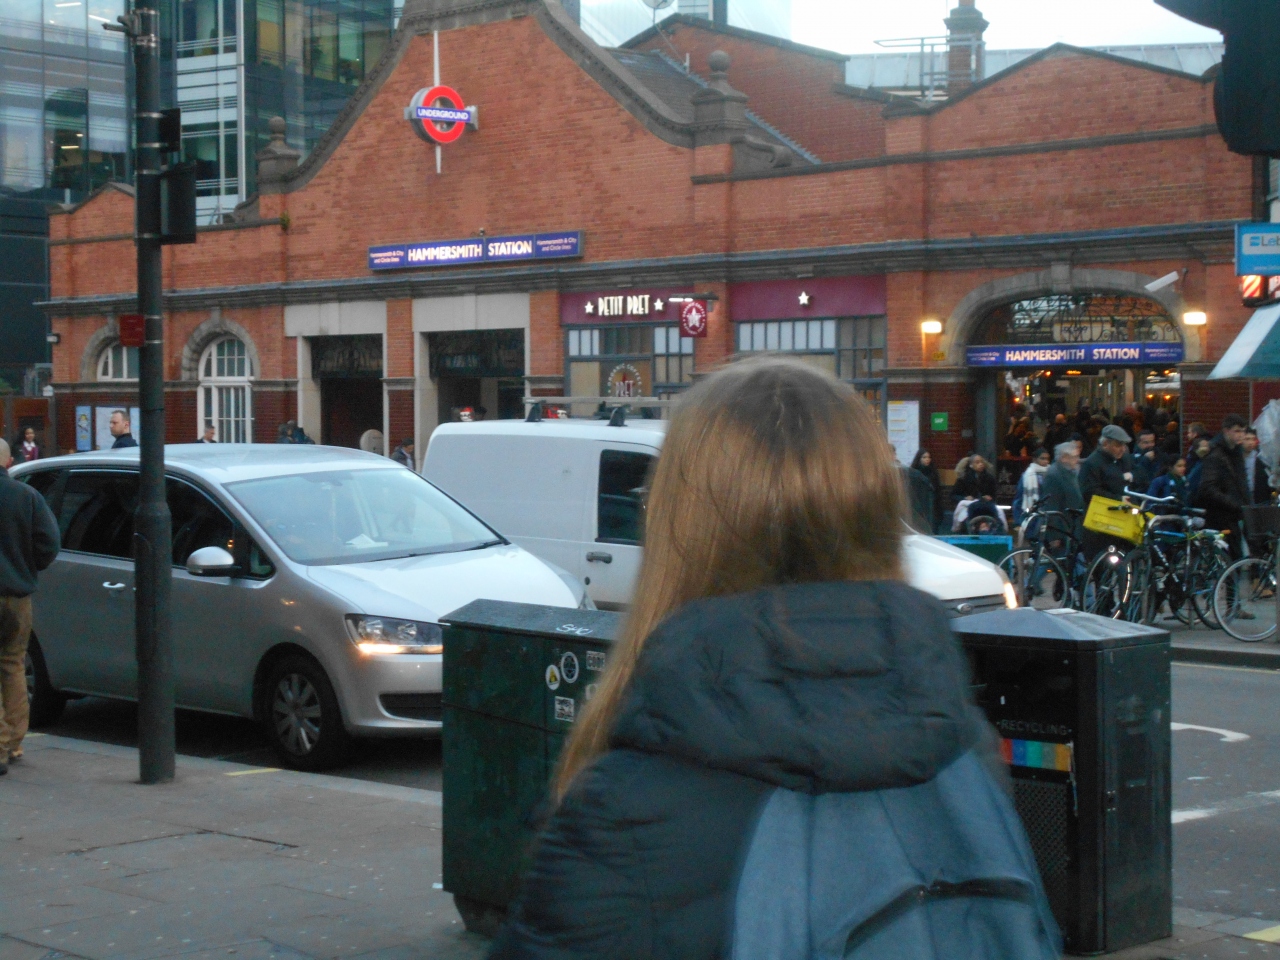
<point>211,562</point>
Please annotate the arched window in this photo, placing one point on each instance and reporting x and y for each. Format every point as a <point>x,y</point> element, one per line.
<point>225,398</point>
<point>118,362</point>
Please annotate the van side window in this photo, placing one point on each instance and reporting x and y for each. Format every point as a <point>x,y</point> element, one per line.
<point>97,513</point>
<point>624,484</point>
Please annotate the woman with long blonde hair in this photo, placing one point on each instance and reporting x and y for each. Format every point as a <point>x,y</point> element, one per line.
<point>779,693</point>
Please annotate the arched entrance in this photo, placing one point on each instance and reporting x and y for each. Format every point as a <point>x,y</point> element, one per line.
<point>1070,342</point>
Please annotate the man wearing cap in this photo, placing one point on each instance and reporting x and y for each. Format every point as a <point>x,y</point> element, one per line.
<point>1106,473</point>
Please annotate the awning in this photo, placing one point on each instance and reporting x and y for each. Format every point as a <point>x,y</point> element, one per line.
<point>1255,353</point>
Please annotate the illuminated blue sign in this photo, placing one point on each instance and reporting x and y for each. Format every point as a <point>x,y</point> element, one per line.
<point>442,253</point>
<point>1073,354</point>
<point>1257,249</point>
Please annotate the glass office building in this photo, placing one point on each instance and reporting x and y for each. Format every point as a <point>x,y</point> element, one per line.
<point>612,22</point>
<point>302,60</point>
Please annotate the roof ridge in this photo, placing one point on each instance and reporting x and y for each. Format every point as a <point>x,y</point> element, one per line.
<point>751,114</point>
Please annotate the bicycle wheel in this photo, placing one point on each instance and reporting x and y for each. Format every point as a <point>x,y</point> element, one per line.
<point>1244,600</point>
<point>1106,586</point>
<point>1038,580</point>
<point>1207,568</point>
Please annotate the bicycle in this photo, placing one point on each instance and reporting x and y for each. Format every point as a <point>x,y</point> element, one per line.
<point>1038,569</point>
<point>1244,597</point>
<point>1178,567</point>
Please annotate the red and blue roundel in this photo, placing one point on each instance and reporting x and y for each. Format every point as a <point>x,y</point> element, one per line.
<point>438,114</point>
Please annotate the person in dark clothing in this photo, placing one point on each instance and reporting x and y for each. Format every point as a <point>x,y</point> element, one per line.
<point>1172,483</point>
<point>297,434</point>
<point>1058,432</point>
<point>1223,491</point>
<point>774,676</point>
<point>29,540</point>
<point>978,483</point>
<point>1060,490</point>
<point>26,449</point>
<point>922,463</point>
<point>121,429</point>
<point>284,433</point>
<point>1171,446</point>
<point>1195,433</point>
<point>1106,473</point>
<point>1148,463</point>
<point>1256,470</point>
<point>403,454</point>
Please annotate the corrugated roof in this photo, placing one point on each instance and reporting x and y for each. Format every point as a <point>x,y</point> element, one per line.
<point>900,70</point>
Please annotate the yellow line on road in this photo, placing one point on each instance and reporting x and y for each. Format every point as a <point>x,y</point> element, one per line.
<point>245,773</point>
<point>1219,666</point>
<point>1269,935</point>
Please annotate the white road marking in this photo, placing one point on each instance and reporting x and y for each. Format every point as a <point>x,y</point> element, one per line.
<point>1249,801</point>
<point>1228,736</point>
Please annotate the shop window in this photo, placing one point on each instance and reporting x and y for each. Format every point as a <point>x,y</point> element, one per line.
<point>632,361</point>
<point>225,397</point>
<point>118,363</point>
<point>853,349</point>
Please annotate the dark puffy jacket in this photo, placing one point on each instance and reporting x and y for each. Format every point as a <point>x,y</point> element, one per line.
<point>820,689</point>
<point>1222,490</point>
<point>974,484</point>
<point>1102,475</point>
<point>29,538</point>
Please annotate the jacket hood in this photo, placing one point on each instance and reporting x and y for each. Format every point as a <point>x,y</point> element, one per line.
<point>814,687</point>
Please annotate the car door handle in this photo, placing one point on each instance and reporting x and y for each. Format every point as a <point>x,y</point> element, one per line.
<point>599,558</point>
<point>113,587</point>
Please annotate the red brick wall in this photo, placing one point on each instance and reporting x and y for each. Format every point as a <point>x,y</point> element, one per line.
<point>400,416</point>
<point>956,400</point>
<point>790,89</point>
<point>1209,401</point>
<point>270,409</point>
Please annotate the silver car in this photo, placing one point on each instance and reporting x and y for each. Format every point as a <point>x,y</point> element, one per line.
<point>307,587</point>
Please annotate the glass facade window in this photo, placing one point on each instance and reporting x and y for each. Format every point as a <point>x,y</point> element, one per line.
<point>633,361</point>
<point>225,398</point>
<point>118,363</point>
<point>63,129</point>
<point>852,349</point>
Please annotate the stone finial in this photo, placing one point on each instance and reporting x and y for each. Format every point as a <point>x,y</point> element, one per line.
<point>720,112</point>
<point>277,159</point>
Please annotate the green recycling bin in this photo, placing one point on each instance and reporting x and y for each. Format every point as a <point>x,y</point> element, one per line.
<point>516,676</point>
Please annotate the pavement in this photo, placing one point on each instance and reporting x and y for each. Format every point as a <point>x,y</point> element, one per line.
<point>229,861</point>
<point>1200,645</point>
<point>237,862</point>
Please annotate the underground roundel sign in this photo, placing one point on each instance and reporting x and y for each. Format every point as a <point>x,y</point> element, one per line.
<point>693,319</point>
<point>438,114</point>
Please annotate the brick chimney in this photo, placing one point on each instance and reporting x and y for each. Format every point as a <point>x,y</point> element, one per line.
<point>965,49</point>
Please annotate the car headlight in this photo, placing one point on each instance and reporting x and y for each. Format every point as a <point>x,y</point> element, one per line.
<point>1010,596</point>
<point>389,635</point>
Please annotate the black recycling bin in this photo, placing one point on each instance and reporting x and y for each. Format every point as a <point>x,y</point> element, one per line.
<point>1081,703</point>
<point>515,677</point>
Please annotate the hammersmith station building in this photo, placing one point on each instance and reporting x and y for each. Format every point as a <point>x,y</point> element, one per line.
<point>538,239</point>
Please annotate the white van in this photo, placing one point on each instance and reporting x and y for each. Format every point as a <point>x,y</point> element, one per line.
<point>569,492</point>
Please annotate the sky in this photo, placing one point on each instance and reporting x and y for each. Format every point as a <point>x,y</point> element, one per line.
<point>853,26</point>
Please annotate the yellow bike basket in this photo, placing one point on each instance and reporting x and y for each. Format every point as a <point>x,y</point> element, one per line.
<point>1115,519</point>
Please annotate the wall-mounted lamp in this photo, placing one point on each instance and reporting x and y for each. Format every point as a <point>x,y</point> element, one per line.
<point>1195,318</point>
<point>54,338</point>
<point>931,327</point>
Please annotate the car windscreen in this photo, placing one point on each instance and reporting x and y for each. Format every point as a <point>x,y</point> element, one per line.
<point>354,516</point>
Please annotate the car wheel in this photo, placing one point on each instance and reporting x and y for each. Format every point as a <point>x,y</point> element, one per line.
<point>46,703</point>
<point>302,717</point>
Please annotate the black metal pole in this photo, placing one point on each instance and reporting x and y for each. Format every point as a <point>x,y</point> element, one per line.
<point>152,534</point>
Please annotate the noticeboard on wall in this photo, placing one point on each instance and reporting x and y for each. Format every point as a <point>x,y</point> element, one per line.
<point>102,438</point>
<point>904,429</point>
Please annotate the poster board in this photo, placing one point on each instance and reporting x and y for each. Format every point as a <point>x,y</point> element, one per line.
<point>904,429</point>
<point>102,438</point>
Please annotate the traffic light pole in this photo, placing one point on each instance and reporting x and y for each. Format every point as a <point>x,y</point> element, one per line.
<point>152,537</point>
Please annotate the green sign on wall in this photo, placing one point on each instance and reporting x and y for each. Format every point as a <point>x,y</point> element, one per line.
<point>938,421</point>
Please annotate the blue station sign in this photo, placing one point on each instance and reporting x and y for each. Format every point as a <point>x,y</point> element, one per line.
<point>1073,354</point>
<point>1257,249</point>
<point>446,253</point>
